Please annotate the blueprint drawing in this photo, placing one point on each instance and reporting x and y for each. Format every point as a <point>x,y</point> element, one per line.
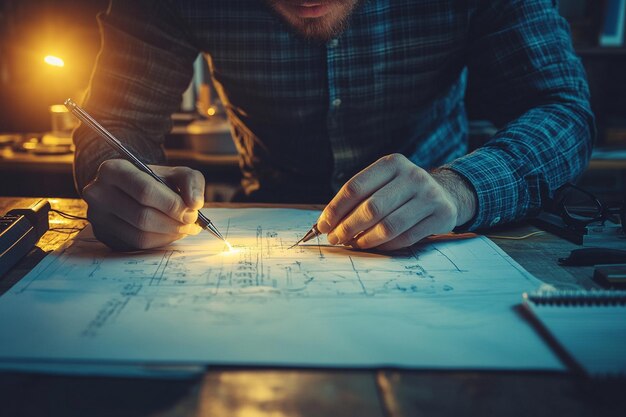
<point>445,304</point>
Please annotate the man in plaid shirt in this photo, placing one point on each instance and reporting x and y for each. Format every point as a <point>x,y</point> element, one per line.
<point>356,102</point>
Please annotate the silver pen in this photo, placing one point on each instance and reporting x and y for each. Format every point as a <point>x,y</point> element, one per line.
<point>84,117</point>
<point>313,233</point>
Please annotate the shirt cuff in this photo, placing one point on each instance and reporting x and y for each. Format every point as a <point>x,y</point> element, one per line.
<point>500,194</point>
<point>87,160</point>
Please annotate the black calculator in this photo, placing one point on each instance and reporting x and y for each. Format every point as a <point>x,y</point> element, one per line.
<point>20,230</point>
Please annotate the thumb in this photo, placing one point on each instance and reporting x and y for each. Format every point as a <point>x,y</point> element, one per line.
<point>189,182</point>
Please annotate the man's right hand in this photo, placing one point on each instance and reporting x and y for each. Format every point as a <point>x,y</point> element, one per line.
<point>130,210</point>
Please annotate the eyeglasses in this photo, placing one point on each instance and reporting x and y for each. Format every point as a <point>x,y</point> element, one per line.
<point>579,208</point>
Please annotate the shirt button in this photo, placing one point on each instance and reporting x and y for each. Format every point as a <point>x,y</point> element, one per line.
<point>495,221</point>
<point>333,43</point>
<point>336,102</point>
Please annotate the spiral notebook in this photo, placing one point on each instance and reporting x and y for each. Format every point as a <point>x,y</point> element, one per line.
<point>586,328</point>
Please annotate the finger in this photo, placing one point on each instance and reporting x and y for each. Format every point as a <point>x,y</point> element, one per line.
<point>189,181</point>
<point>144,189</point>
<point>121,236</point>
<point>396,223</point>
<point>371,211</point>
<point>429,226</point>
<point>146,219</point>
<point>357,189</point>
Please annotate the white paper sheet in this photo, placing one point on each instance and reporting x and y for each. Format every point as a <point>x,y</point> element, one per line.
<point>441,305</point>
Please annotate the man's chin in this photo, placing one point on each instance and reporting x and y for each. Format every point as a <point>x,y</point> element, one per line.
<point>318,29</point>
<point>320,24</point>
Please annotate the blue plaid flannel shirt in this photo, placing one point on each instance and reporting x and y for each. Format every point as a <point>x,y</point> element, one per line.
<point>307,116</point>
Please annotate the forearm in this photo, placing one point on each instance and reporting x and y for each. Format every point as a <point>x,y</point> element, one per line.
<point>144,65</point>
<point>461,192</point>
<point>529,80</point>
<point>527,161</point>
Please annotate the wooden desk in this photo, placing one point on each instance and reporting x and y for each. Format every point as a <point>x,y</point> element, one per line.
<point>268,392</point>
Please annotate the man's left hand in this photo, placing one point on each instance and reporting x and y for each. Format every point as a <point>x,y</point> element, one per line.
<point>393,204</point>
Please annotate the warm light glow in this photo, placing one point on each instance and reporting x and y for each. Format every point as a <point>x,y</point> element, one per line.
<point>58,108</point>
<point>55,61</point>
<point>211,111</point>
<point>230,250</point>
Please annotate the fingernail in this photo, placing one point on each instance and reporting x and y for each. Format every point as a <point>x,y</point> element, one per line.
<point>190,216</point>
<point>333,239</point>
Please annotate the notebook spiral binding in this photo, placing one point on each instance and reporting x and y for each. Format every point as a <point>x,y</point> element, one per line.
<point>577,298</point>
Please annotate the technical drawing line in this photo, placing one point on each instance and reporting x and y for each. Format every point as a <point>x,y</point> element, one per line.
<point>219,282</point>
<point>51,266</point>
<point>319,247</point>
<point>357,275</point>
<point>227,230</point>
<point>448,258</point>
<point>165,260</point>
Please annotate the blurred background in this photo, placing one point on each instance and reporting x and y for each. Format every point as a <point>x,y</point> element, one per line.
<point>48,47</point>
<point>66,32</point>
<point>47,52</point>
